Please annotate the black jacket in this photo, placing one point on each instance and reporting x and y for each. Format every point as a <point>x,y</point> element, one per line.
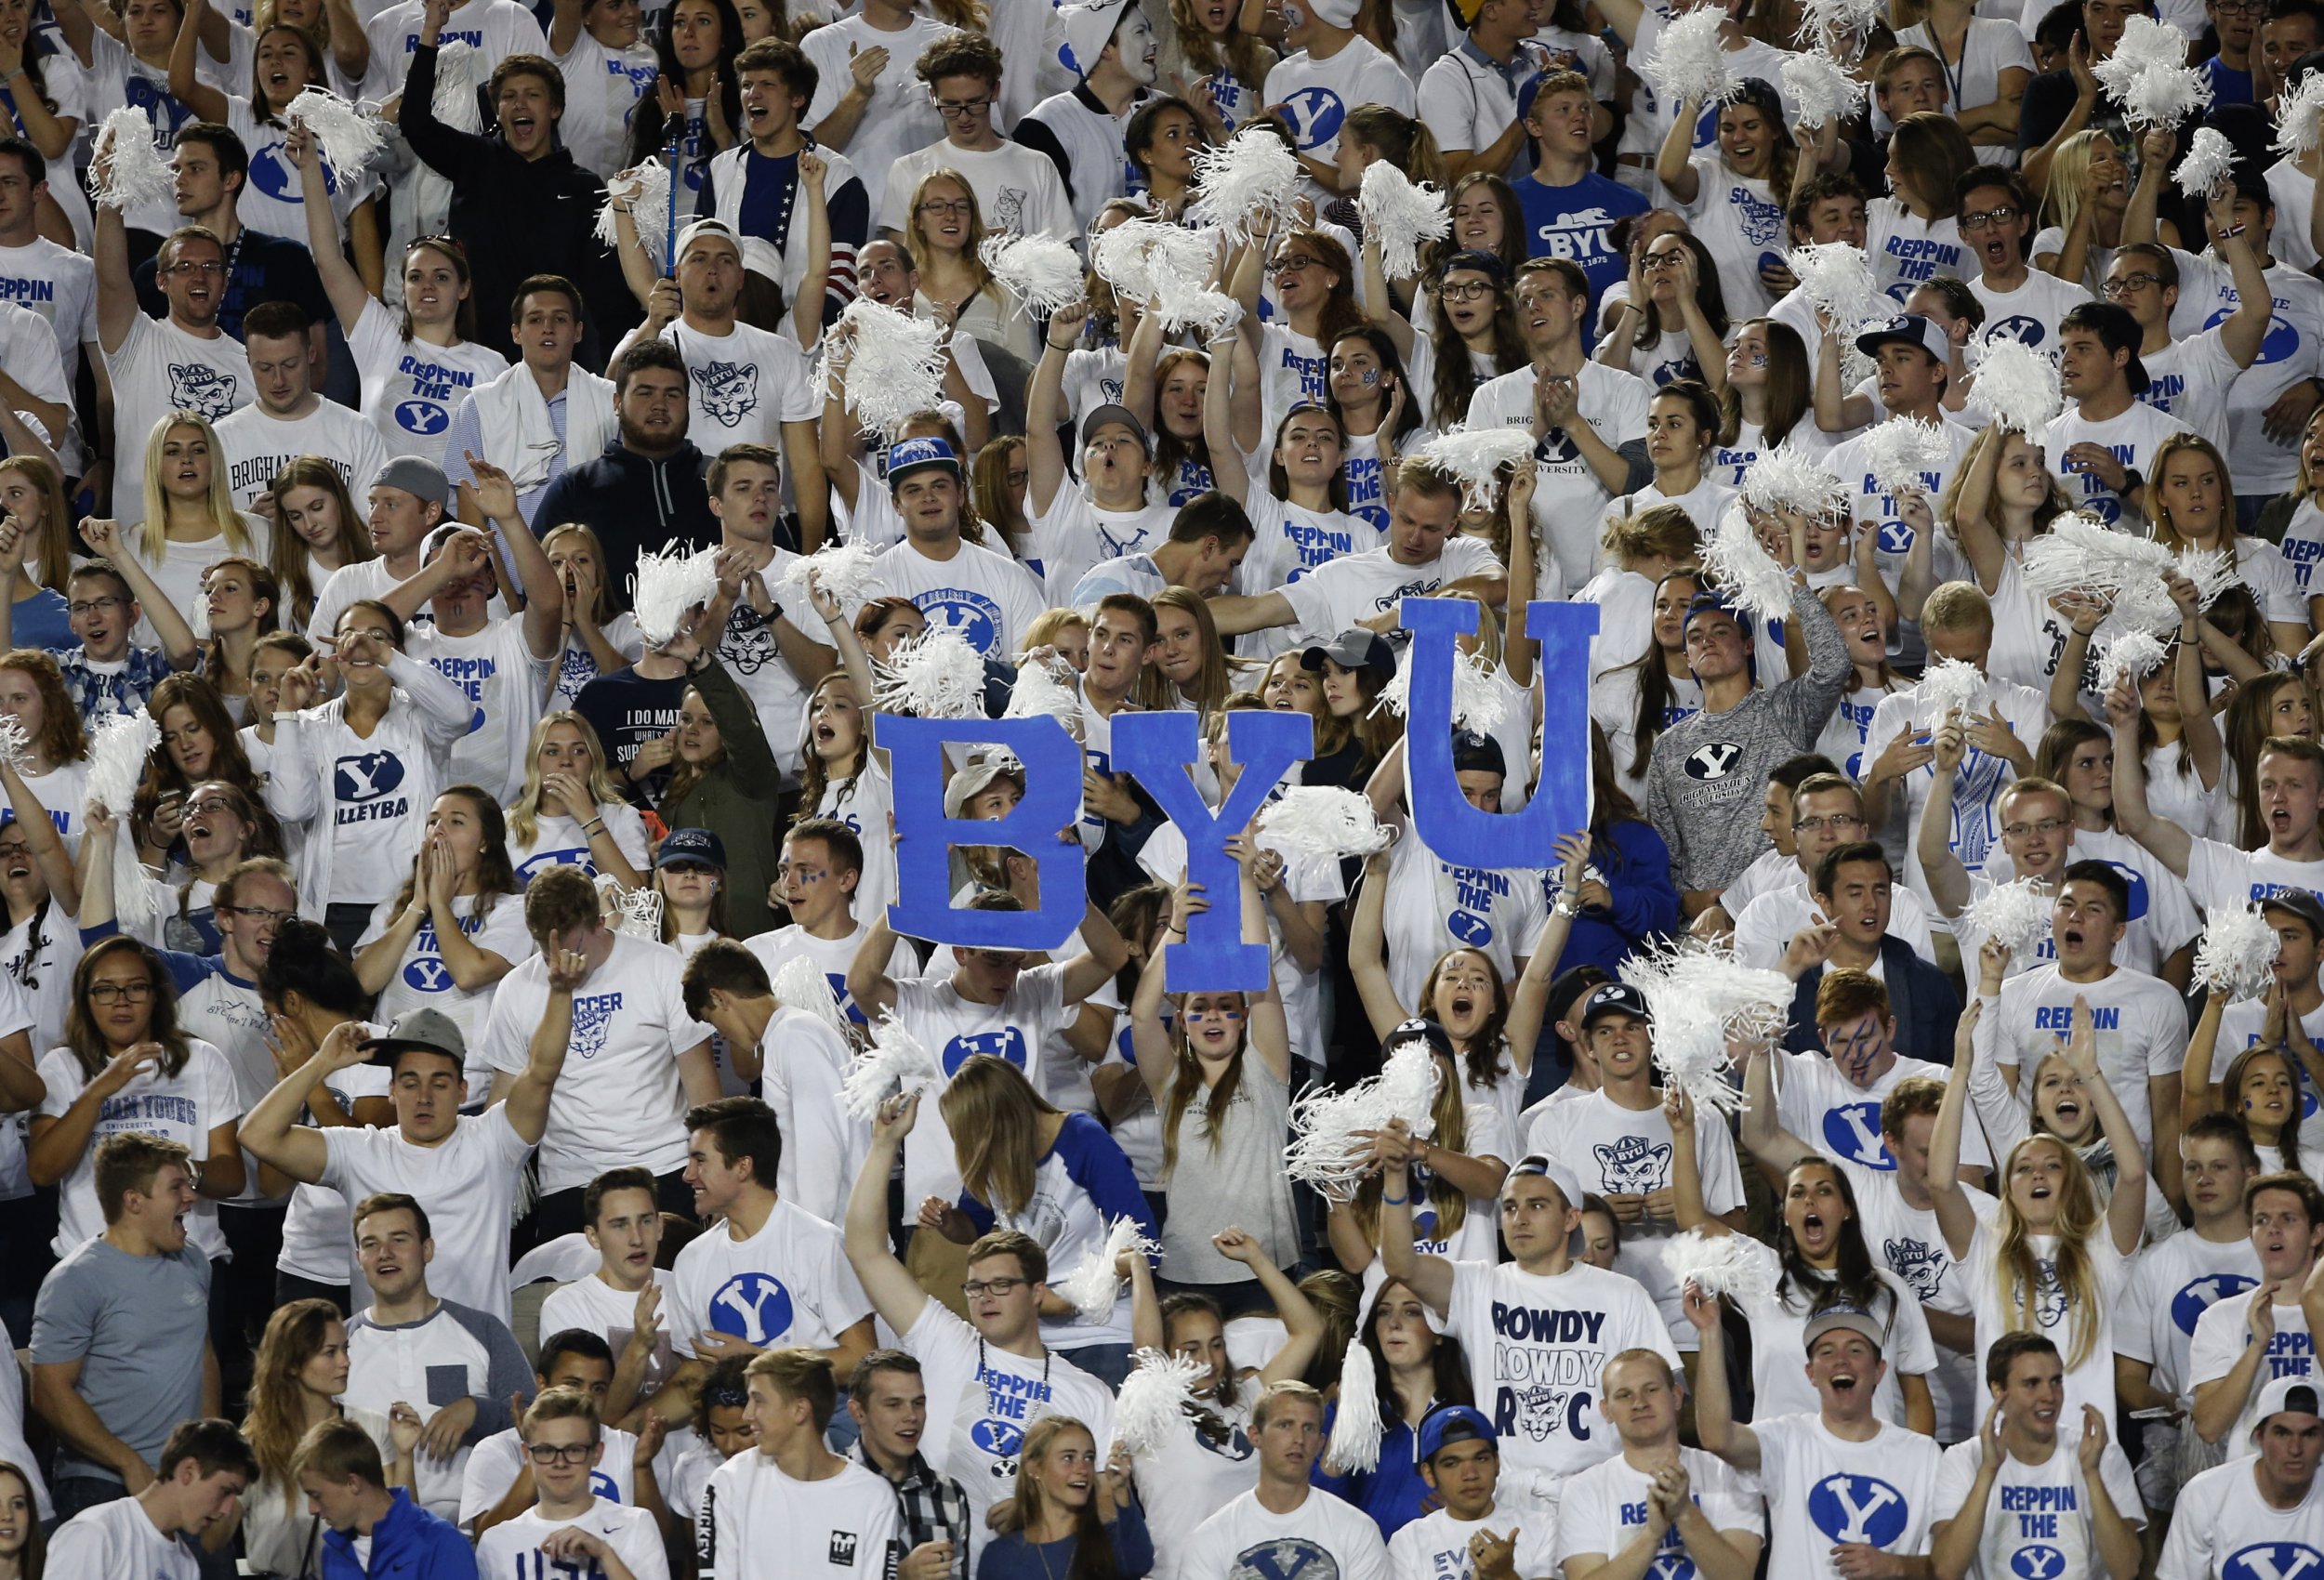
<point>516,216</point>
<point>1919,996</point>
<point>634,504</point>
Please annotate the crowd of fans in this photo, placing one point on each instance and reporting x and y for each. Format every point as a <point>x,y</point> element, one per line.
<point>428,1144</point>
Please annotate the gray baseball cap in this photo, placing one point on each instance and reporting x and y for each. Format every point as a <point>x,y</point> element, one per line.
<point>430,1030</point>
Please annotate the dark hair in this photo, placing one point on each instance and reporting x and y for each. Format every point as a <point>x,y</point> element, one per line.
<point>526,65</point>
<point>1855,850</point>
<point>529,285</point>
<point>743,1129</point>
<point>722,966</point>
<point>392,1202</point>
<point>2021,194</point>
<point>2218,1127</point>
<point>2008,1348</point>
<point>2106,877</point>
<point>1817,188</point>
<point>87,1044</point>
<point>1391,366</point>
<point>960,54</point>
<point>1792,772</point>
<point>35,164</point>
<point>276,321</point>
<point>845,847</point>
<point>788,61</point>
<point>306,961</point>
<point>1657,695</point>
<point>578,1341</point>
<point>859,1382</point>
<point>1856,1281</point>
<point>1709,294</point>
<point>224,144</point>
<point>631,1177</point>
<point>736,455</point>
<point>1138,137</point>
<point>1211,514</point>
<point>213,1446</point>
<point>648,129</point>
<point>2116,329</point>
<point>648,353</point>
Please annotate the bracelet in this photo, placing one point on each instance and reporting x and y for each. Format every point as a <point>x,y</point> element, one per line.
<point>1387,1200</point>
<point>594,827</point>
<point>2234,231</point>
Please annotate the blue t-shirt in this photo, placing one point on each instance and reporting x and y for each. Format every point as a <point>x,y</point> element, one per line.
<point>1576,222</point>
<point>41,621</point>
<point>2227,85</point>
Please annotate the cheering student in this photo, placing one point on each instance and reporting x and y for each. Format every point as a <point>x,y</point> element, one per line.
<point>1285,1512</point>
<point>2274,1493</point>
<point>1655,1504</point>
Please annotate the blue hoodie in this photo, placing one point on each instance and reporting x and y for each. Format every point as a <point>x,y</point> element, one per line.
<point>408,1544</point>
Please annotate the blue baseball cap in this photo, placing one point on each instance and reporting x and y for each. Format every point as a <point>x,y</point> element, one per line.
<point>908,455</point>
<point>1451,1424</point>
<point>1614,998</point>
<point>693,847</point>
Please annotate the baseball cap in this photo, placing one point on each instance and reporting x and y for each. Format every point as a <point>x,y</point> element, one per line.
<point>908,455</point>
<point>1453,1423</point>
<point>1849,1319</point>
<point>692,847</point>
<point>717,230</point>
<point>975,776</point>
<point>416,476</point>
<point>1614,998</point>
<point>2294,1394</point>
<point>1478,753</point>
<point>2302,903</point>
<point>1101,416</point>
<point>1907,329</point>
<point>1087,31</point>
<point>1477,262</point>
<point>1571,983</point>
<point>1555,1171</point>
<point>1423,1029</point>
<point>1355,649</point>
<point>1714,602</point>
<point>430,1030</point>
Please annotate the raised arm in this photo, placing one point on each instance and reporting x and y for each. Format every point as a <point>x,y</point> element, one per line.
<point>1044,408</point>
<point>495,499</point>
<point>1715,1426</point>
<point>1955,1217</point>
<point>1430,1277</point>
<point>106,538</point>
<point>271,1131</point>
<point>341,284</point>
<point>2126,1206</point>
<point>867,979</point>
<point>1227,472</point>
<point>1763,1134</point>
<point>1367,949</point>
<point>185,83</point>
<point>40,832</point>
<point>894,1293</point>
<point>1949,880</point>
<point>2168,842</point>
<point>1674,162</point>
<point>526,1097</point>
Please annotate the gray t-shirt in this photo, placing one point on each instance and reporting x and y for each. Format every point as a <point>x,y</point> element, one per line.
<point>1240,1184</point>
<point>136,1326</point>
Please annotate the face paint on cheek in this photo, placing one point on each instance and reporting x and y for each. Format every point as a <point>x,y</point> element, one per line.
<point>1293,17</point>
<point>1371,376</point>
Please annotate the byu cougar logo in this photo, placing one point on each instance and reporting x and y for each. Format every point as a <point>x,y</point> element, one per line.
<point>197,387</point>
<point>1632,1167</point>
<point>1921,1267</point>
<point>730,391</point>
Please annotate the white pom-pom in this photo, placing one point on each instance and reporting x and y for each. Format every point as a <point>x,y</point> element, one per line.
<point>15,746</point>
<point>1701,999</point>
<point>1093,1287</point>
<point>2082,558</point>
<point>1043,271</point>
<point>666,586</point>
<point>846,572</point>
<point>2136,654</point>
<point>1142,259</point>
<point>1688,64</point>
<point>116,759</point>
<point>2016,913</point>
<point>351,140</point>
<point>1734,560</point>
<point>1476,456</point>
<point>1786,478</point>
<point>459,70</point>
<point>1950,686</point>
<point>1902,450</point>
<point>2300,117</point>
<point>1478,704</point>
<point>1838,279</point>
<point>2210,159</point>
<point>2148,76</point>
<point>641,915</point>
<point>895,364</point>
<point>1156,1400</point>
<point>1729,1265</point>
<point>1400,215</point>
<point>1324,821</point>
<point>1355,1431</point>
<point>2016,387</point>
<point>1206,313</point>
<point>1821,88</point>
<point>2211,569</point>
<point>896,1061</point>
<point>934,675</point>
<point>645,187</point>
<point>800,985</point>
<point>198,617</point>
<point>137,173</point>
<point>1837,25</point>
<point>1246,183</point>
<point>2236,952</point>
<point>1327,1151</point>
<point>1042,692</point>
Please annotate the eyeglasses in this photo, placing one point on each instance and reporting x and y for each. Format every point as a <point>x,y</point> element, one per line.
<point>2128,283</point>
<point>122,992</point>
<point>93,606</point>
<point>2239,7</point>
<point>1665,260</point>
<point>1836,821</point>
<point>211,807</point>
<point>1468,292</point>
<point>1002,1287</point>
<point>937,208</point>
<point>184,267</point>
<point>954,108</point>
<point>259,914</point>
<point>1297,264</point>
<point>1985,216</point>
<point>559,1453</point>
<point>2046,826</point>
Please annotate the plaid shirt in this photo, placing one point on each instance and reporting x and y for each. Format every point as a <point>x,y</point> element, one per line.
<point>125,691</point>
<point>934,1507</point>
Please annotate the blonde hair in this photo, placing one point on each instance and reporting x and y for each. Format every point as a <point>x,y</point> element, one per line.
<point>996,1118</point>
<point>2166,531</point>
<point>2081,1216</point>
<point>217,504</point>
<point>1044,630</point>
<point>1958,606</point>
<point>524,812</point>
<point>53,542</point>
<point>2066,192</point>
<point>1664,531</point>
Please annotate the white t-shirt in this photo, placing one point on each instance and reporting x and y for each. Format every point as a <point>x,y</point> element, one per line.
<point>117,1538</point>
<point>494,29</point>
<point>511,1549</point>
<point>787,1284</point>
<point>1742,223</point>
<point>1323,1537</point>
<point>618,1101</point>
<point>1617,1151</point>
<point>2029,312</point>
<point>1017,189</point>
<point>316,1242</point>
<point>1320,94</point>
<point>742,386</point>
<point>1876,508</point>
<point>956,1029</point>
<point>1358,586</point>
<point>834,955</point>
<point>1605,1507</point>
<point>1433,906</point>
<point>2222,1335</point>
<point>602,87</point>
<point>504,681</point>
<point>2036,1517</point>
<point>2133,436</point>
<point>984,595</point>
<point>2092,1382</point>
<point>2189,378</point>
<point>1825,1490</point>
<point>467,1184</point>
<point>1191,1477</point>
<point>2292,350</point>
<point>1436,1545</point>
<point>755,1521</point>
<point>1907,252</point>
<point>494,1463</point>
<point>184,1107</point>
<point>158,369</point>
<point>422,979</point>
<point>901,115</point>
<point>597,1307</point>
<point>410,387</point>
<point>1977,782</point>
<point>1570,499</point>
<point>981,1401</point>
<point>1537,1346</point>
<point>2219,875</point>
<point>2142,1032</point>
<point>558,842</point>
<point>1075,535</point>
<point>258,445</point>
<point>2221,1529</point>
<point>1779,1345</point>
